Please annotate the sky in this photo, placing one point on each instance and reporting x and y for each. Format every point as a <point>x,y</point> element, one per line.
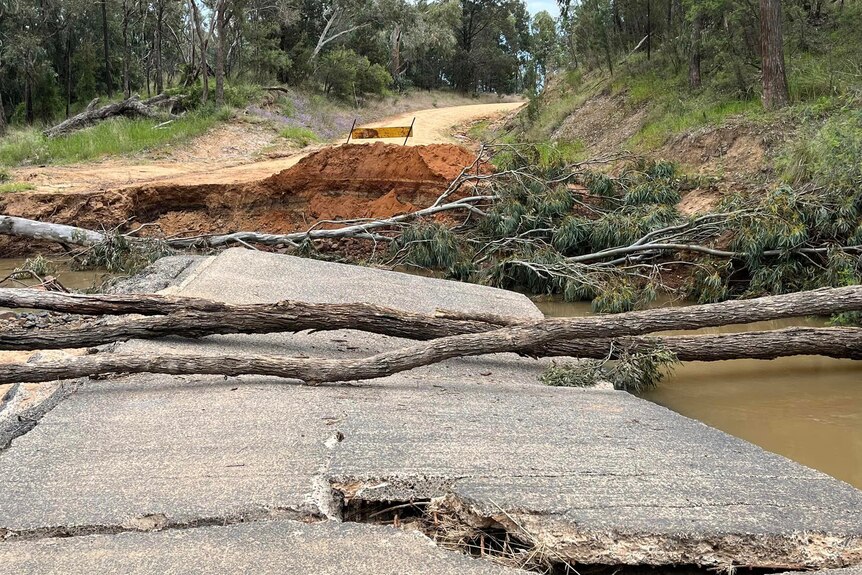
<point>535,6</point>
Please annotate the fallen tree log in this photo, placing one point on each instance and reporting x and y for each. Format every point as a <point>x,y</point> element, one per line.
<point>196,317</point>
<point>129,107</point>
<point>287,316</point>
<point>519,339</point>
<point>36,230</point>
<point>831,342</point>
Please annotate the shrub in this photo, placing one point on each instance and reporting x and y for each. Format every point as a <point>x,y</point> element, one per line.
<point>345,74</point>
<point>632,372</point>
<point>300,135</point>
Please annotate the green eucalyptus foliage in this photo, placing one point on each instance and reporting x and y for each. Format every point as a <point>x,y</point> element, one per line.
<point>39,265</point>
<point>708,282</point>
<point>584,373</point>
<point>547,217</point>
<point>623,294</point>
<point>632,372</point>
<point>120,255</point>
<point>428,245</point>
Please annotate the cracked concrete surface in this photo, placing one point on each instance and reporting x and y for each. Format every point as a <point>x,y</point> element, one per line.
<point>277,548</point>
<point>594,476</point>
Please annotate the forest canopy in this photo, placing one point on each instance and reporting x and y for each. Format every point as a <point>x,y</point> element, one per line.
<point>57,55</point>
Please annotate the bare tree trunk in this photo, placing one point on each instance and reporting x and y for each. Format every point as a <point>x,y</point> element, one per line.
<point>2,116</point>
<point>520,338</point>
<point>649,29</point>
<point>775,94</point>
<point>108,80</point>
<point>127,53</point>
<point>694,80</point>
<point>129,107</point>
<point>221,30</point>
<point>28,98</point>
<point>834,342</point>
<point>68,63</point>
<point>160,16</point>
<point>366,230</point>
<point>204,42</point>
<point>395,52</point>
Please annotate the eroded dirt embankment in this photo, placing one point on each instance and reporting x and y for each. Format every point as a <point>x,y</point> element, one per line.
<point>344,182</point>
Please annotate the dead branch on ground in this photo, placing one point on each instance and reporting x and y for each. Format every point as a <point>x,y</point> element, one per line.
<point>157,106</point>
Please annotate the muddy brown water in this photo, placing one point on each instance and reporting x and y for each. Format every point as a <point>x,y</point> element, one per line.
<point>806,408</point>
<point>71,280</point>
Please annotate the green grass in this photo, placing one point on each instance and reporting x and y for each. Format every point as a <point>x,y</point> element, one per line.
<point>682,116</point>
<point>827,152</point>
<point>299,135</point>
<point>10,187</point>
<point>479,130</point>
<point>112,137</point>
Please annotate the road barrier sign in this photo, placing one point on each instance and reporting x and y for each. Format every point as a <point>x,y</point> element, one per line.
<point>382,132</point>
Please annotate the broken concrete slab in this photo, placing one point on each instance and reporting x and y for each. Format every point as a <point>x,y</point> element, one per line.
<point>189,451</point>
<point>857,570</point>
<point>271,547</point>
<point>22,405</point>
<point>163,274</point>
<point>599,478</point>
<point>243,276</point>
<point>589,477</point>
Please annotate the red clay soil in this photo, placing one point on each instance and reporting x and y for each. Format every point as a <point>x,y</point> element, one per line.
<point>344,182</point>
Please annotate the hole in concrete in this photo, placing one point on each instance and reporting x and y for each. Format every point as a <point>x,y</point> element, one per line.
<point>488,539</point>
<point>385,512</point>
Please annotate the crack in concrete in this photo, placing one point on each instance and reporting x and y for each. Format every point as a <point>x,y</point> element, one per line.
<point>17,418</point>
<point>532,540</point>
<point>544,542</point>
<point>160,522</point>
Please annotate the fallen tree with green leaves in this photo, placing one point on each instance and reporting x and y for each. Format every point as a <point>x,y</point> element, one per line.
<point>614,236</point>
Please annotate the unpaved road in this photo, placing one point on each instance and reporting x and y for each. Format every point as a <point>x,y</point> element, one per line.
<point>232,149</point>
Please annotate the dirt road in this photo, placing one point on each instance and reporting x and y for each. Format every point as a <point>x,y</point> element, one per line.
<point>227,155</point>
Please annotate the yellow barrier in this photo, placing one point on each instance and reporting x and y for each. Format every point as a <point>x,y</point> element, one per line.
<point>383,132</point>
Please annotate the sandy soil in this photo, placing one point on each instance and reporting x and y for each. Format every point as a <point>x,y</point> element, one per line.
<point>228,155</point>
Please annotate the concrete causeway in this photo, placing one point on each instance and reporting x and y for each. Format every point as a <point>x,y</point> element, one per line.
<point>149,473</point>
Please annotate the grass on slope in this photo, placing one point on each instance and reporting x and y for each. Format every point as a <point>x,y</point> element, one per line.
<point>823,77</point>
<point>112,137</point>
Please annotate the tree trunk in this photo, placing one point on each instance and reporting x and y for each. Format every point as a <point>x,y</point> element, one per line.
<point>28,98</point>
<point>694,80</point>
<point>2,116</point>
<point>221,29</point>
<point>834,342</point>
<point>649,29</point>
<point>195,318</point>
<point>775,94</point>
<point>395,53</point>
<point>54,232</point>
<point>127,54</point>
<point>108,80</point>
<point>521,338</point>
<point>160,75</point>
<point>68,63</point>
<point>204,41</point>
<point>365,230</point>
